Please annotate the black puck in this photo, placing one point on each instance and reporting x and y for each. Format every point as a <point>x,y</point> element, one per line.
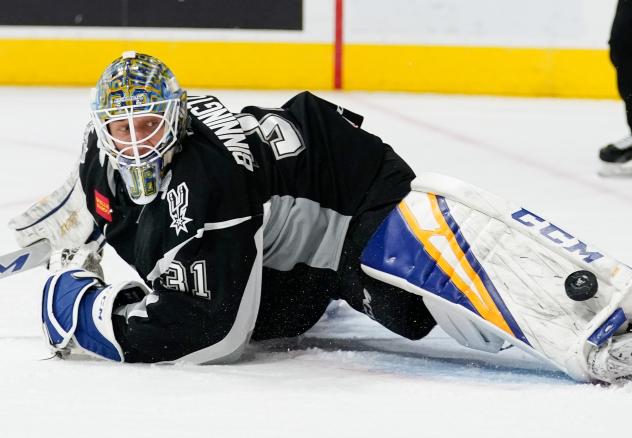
<point>581,285</point>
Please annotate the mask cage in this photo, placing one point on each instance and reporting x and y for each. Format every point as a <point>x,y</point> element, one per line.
<point>166,111</point>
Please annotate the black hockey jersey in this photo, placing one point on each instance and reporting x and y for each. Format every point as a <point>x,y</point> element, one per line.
<point>266,188</point>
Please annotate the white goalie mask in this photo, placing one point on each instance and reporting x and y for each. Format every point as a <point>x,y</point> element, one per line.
<point>139,113</point>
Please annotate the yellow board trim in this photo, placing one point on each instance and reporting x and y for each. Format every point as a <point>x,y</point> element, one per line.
<point>480,70</point>
<point>267,65</point>
<point>480,298</point>
<point>195,63</point>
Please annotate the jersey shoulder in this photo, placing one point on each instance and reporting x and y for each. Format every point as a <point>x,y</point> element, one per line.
<point>219,188</point>
<point>212,120</point>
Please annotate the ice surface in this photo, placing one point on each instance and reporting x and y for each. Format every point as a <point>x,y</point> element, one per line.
<point>348,376</point>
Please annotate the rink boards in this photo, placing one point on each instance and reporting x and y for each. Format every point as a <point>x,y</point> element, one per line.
<point>450,46</point>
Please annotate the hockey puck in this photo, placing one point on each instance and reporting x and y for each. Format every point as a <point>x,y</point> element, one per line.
<point>581,285</point>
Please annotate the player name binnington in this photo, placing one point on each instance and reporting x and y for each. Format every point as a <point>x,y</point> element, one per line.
<point>223,124</point>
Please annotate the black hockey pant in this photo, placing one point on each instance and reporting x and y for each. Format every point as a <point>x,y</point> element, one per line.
<point>292,302</point>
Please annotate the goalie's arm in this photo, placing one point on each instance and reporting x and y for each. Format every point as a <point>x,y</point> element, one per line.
<point>202,310</point>
<point>210,308</point>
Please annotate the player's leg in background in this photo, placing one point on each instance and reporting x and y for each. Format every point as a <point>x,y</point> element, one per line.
<point>616,157</point>
<point>621,53</point>
<point>399,311</point>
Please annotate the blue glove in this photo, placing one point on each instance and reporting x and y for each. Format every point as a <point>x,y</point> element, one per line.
<point>77,313</point>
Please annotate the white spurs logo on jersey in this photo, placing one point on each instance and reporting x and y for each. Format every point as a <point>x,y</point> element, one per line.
<point>178,199</point>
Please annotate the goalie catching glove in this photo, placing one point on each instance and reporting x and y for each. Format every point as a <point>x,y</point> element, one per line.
<point>63,219</point>
<point>491,272</point>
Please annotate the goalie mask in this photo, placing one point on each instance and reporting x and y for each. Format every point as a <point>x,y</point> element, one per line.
<point>139,113</point>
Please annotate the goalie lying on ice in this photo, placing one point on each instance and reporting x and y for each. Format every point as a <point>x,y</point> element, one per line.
<point>245,226</point>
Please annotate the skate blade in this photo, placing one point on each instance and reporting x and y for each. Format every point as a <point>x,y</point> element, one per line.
<point>615,169</point>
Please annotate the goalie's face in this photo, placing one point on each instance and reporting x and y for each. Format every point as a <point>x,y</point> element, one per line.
<point>145,132</point>
<point>136,138</point>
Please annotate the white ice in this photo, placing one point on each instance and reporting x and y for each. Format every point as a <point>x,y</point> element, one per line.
<point>347,377</point>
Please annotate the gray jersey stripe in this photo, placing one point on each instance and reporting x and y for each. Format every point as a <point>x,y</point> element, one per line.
<point>299,230</point>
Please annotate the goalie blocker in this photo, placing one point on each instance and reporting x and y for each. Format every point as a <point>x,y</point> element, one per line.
<point>491,272</point>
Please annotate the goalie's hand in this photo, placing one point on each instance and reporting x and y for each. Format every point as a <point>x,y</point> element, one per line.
<point>86,257</point>
<point>62,218</point>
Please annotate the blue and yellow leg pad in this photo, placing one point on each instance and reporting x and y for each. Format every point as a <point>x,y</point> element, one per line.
<point>439,260</point>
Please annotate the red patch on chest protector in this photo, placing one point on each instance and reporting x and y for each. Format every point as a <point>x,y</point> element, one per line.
<point>102,206</point>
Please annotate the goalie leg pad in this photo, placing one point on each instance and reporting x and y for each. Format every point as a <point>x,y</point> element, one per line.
<point>398,249</point>
<point>463,327</point>
<point>491,271</point>
<point>77,313</point>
